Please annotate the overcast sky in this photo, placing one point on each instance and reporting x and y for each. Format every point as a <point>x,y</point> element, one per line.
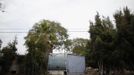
<point>74,15</point>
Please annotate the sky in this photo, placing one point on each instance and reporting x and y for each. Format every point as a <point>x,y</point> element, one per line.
<point>74,15</point>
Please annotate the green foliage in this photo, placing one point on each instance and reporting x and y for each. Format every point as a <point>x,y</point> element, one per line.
<point>40,41</point>
<point>112,49</point>
<point>102,36</point>
<point>125,40</point>
<point>0,43</point>
<point>8,55</point>
<point>79,46</point>
<point>0,49</point>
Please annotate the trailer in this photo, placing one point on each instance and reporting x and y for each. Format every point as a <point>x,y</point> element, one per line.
<point>75,65</point>
<point>66,64</point>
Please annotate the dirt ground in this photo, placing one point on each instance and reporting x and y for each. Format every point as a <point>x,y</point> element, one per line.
<point>91,71</point>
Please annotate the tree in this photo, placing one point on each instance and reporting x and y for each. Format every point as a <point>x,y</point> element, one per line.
<point>8,55</point>
<point>40,41</point>
<point>2,6</point>
<point>0,43</point>
<point>102,36</point>
<point>78,46</point>
<point>112,48</point>
<point>125,40</point>
<point>0,48</point>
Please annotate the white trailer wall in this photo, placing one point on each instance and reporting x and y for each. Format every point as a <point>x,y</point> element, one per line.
<point>75,65</point>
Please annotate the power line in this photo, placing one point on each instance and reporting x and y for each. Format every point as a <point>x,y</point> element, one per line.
<point>13,32</point>
<point>27,32</point>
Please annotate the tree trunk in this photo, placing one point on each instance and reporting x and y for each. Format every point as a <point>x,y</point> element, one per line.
<point>46,63</point>
<point>101,68</point>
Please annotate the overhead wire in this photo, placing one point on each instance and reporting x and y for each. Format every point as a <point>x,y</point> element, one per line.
<point>27,32</point>
<point>20,30</point>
